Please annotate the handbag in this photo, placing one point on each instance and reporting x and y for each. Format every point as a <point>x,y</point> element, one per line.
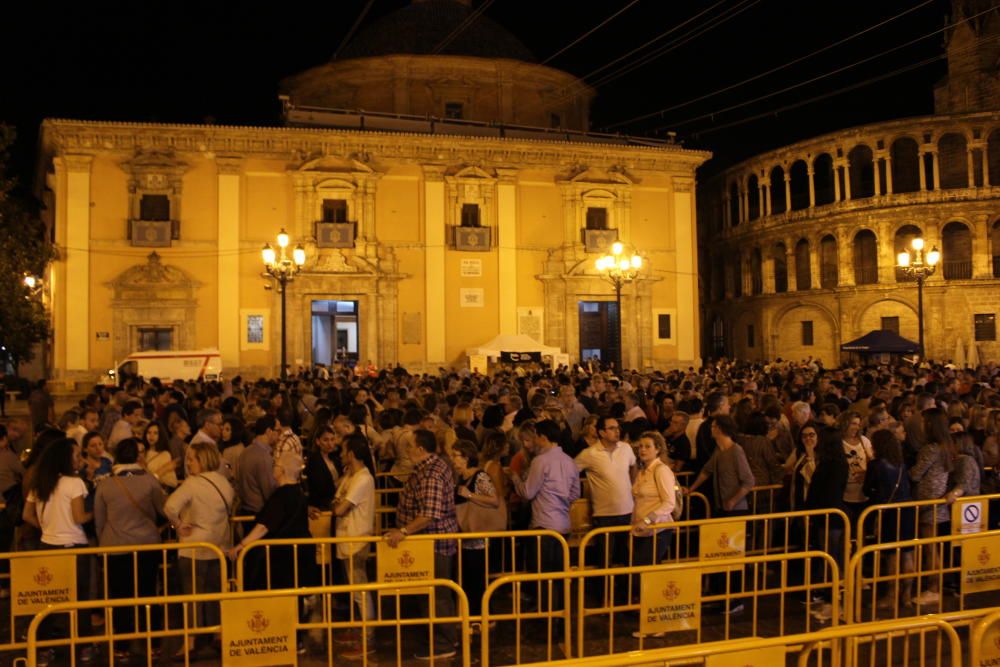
<point>473,518</point>
<point>678,510</point>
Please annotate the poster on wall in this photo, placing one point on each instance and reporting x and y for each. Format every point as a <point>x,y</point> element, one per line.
<point>471,268</point>
<point>529,322</point>
<point>471,297</point>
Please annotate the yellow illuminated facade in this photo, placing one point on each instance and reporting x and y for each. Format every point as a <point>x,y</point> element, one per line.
<point>423,236</point>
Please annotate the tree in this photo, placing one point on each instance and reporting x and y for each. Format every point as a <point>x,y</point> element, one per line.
<point>24,250</point>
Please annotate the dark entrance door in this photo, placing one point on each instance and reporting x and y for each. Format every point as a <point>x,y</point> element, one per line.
<point>599,331</point>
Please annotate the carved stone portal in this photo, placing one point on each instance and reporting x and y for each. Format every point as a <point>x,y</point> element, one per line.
<point>154,295</point>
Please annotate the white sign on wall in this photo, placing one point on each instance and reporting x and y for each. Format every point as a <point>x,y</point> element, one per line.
<point>529,322</point>
<point>471,297</point>
<point>471,268</point>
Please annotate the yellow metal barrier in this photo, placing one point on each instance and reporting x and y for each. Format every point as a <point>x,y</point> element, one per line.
<point>257,624</point>
<point>881,522</point>
<point>38,578</point>
<point>948,574</point>
<point>765,499</point>
<point>984,642</point>
<point>671,601</point>
<point>783,532</point>
<point>895,642</point>
<point>501,553</point>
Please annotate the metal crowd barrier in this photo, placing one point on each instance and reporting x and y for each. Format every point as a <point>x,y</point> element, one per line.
<point>877,522</point>
<point>37,579</point>
<point>924,641</point>
<point>501,553</point>
<point>961,571</point>
<point>984,641</point>
<point>765,499</point>
<point>692,602</point>
<point>262,627</point>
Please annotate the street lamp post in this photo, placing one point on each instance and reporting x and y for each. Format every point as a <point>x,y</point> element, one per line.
<point>619,268</point>
<point>920,267</point>
<point>280,269</point>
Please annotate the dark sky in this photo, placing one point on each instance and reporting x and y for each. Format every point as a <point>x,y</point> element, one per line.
<point>185,62</point>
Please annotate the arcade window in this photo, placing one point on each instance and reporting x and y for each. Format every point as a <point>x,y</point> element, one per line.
<point>986,327</point>
<point>750,340</point>
<point>807,332</point>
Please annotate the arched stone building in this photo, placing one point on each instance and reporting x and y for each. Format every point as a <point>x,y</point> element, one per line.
<point>445,192</point>
<point>799,244</point>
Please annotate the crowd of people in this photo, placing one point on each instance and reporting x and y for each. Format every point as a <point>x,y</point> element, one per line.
<point>470,453</point>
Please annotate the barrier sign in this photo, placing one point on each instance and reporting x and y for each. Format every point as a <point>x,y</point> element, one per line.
<point>981,564</point>
<point>411,561</point>
<point>670,601</point>
<point>39,581</point>
<point>969,517</point>
<point>754,657</point>
<point>259,631</point>
<point>722,541</point>
<point>989,650</point>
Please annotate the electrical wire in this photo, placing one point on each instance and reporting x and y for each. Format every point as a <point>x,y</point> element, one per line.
<point>751,79</point>
<point>711,115</point>
<point>357,22</point>
<point>591,32</point>
<point>460,28</point>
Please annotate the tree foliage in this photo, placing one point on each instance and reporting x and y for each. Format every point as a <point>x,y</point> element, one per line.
<point>24,250</point>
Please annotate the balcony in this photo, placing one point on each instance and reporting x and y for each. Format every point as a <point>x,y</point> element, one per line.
<point>957,269</point>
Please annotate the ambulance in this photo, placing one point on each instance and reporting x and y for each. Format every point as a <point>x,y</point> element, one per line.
<point>168,365</point>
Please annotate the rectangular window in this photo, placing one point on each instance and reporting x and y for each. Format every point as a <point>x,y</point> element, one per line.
<point>453,110</point>
<point>890,324</point>
<point>154,208</point>
<point>807,332</point>
<point>663,326</point>
<point>153,339</point>
<point>255,329</point>
<point>334,210</point>
<point>590,307</point>
<point>986,327</point>
<point>597,218</point>
<point>555,120</point>
<point>470,215</point>
<point>750,340</point>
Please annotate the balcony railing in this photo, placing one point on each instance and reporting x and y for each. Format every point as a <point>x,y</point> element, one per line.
<point>866,275</point>
<point>957,269</point>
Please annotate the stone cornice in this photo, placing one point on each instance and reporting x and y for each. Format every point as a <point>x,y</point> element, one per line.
<point>282,143</point>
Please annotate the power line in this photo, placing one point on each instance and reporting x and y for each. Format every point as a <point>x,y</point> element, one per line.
<point>589,32</point>
<point>357,22</point>
<point>460,28</point>
<point>768,72</point>
<point>820,77</point>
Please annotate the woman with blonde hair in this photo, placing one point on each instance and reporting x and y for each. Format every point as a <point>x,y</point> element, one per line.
<point>200,509</point>
<point>655,499</point>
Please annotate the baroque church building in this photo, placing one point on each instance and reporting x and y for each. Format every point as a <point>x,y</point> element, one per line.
<point>443,196</point>
<point>799,244</point>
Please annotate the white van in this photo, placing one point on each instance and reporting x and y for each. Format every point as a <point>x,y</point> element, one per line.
<point>168,365</point>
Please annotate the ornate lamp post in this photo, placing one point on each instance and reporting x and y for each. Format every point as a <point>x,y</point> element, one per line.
<point>619,268</point>
<point>280,269</point>
<point>920,267</point>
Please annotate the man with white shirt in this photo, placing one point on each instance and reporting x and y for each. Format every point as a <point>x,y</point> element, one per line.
<point>131,415</point>
<point>610,468</point>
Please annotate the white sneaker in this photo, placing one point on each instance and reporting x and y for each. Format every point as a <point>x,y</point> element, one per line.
<point>927,597</point>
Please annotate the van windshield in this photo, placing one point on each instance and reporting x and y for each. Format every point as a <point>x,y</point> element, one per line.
<point>129,369</point>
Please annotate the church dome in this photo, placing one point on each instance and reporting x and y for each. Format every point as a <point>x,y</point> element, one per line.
<point>419,27</point>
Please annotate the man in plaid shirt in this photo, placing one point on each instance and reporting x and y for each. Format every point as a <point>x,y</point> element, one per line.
<point>427,505</point>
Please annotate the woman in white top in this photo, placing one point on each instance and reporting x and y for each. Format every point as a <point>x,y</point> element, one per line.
<point>55,505</point>
<point>199,509</point>
<point>859,452</point>
<point>354,508</point>
<point>655,497</point>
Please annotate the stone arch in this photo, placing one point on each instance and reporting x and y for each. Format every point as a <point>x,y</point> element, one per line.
<point>734,204</point>
<point>905,155</point>
<point>868,316</point>
<point>803,265</point>
<point>953,164</point>
<point>753,197</point>
<point>157,295</point>
<point>993,156</point>
<point>778,203</point>
<point>829,258</point>
<point>861,172</point>
<point>956,251</point>
<point>865,255</point>
<point>799,184</point>
<point>823,176</point>
<point>787,333</point>
<point>905,233</point>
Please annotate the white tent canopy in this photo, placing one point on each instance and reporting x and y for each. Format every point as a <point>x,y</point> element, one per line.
<point>511,343</point>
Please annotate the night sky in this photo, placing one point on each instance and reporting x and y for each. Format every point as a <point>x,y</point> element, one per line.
<point>221,62</point>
